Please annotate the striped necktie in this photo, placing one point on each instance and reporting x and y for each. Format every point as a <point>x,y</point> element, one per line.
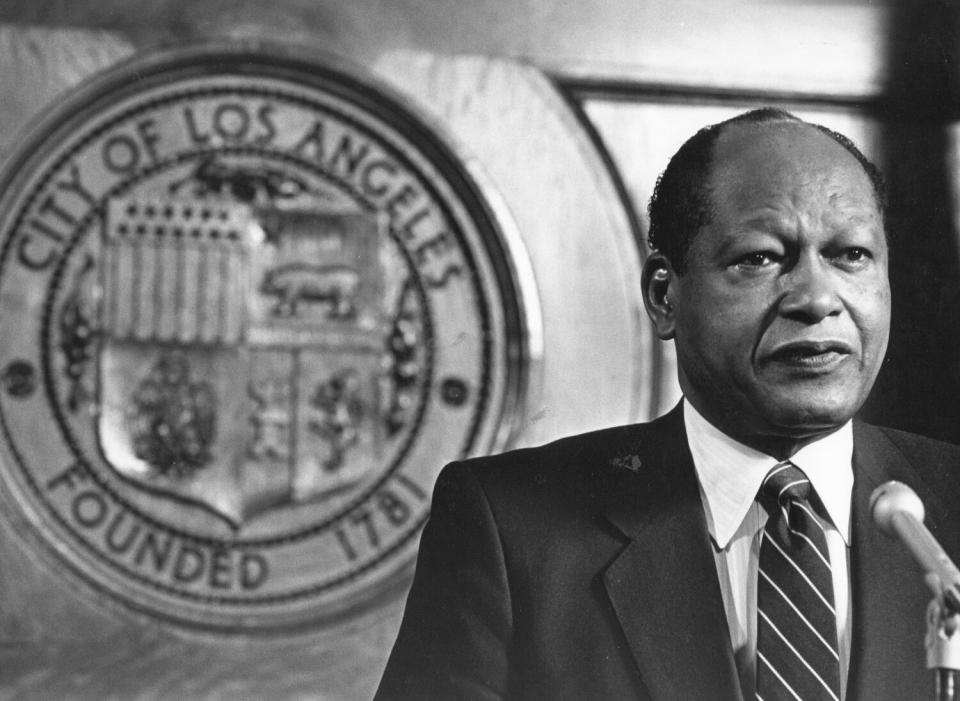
<point>797,651</point>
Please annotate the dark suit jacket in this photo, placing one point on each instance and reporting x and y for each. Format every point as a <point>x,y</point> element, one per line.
<point>583,570</point>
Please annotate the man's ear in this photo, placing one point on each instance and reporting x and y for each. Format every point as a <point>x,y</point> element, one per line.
<point>658,280</point>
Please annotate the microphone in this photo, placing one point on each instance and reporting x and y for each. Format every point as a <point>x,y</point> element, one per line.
<point>898,512</point>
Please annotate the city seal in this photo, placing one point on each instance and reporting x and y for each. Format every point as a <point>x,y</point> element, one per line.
<point>251,304</point>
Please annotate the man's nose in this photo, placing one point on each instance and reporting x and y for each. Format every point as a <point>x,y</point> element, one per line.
<point>811,292</point>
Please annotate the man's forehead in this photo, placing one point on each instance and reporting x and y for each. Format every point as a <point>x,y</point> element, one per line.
<point>783,140</point>
<point>762,154</point>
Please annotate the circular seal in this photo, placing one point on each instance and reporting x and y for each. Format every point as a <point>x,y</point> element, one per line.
<point>251,305</point>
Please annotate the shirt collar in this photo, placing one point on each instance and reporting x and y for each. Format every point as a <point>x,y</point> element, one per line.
<point>731,473</point>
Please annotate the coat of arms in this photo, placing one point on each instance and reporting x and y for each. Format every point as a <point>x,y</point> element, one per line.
<point>245,351</point>
<point>251,307</point>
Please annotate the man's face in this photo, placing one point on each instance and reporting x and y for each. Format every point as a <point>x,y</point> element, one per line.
<point>781,319</point>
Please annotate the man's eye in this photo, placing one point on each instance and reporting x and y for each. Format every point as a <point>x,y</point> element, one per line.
<point>854,255</point>
<point>756,259</point>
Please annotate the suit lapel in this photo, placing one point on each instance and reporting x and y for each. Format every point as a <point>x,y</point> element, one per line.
<point>887,589</point>
<point>663,586</point>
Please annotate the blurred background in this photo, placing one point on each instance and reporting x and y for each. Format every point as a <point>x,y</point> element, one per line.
<point>569,110</point>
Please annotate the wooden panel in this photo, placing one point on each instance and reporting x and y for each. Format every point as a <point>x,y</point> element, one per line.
<point>570,240</point>
<point>573,224</point>
<point>810,47</point>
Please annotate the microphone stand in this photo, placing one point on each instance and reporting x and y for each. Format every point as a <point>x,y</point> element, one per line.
<point>898,512</point>
<point>943,645</point>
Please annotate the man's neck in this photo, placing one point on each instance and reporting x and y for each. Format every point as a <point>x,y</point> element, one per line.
<point>779,443</point>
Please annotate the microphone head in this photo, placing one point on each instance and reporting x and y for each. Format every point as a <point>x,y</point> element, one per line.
<point>892,498</point>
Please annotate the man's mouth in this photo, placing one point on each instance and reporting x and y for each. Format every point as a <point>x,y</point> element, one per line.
<point>811,354</point>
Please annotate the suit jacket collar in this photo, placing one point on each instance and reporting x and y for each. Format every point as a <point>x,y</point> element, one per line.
<point>663,585</point>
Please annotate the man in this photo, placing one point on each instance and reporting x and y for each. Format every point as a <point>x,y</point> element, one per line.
<point>639,562</point>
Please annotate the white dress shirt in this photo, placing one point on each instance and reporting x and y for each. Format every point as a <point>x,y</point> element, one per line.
<point>730,475</point>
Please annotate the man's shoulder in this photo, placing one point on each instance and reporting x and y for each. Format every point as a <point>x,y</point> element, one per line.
<point>931,467</point>
<point>913,447</point>
<point>578,463</point>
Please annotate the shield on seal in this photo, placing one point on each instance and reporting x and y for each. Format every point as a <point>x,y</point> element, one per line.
<point>243,363</point>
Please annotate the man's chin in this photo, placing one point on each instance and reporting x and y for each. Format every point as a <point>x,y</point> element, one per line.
<point>811,418</point>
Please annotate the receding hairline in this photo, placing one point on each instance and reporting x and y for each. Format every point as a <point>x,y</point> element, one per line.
<point>728,130</point>
<point>786,123</point>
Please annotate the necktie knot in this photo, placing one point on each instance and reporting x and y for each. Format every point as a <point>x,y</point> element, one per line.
<point>786,482</point>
